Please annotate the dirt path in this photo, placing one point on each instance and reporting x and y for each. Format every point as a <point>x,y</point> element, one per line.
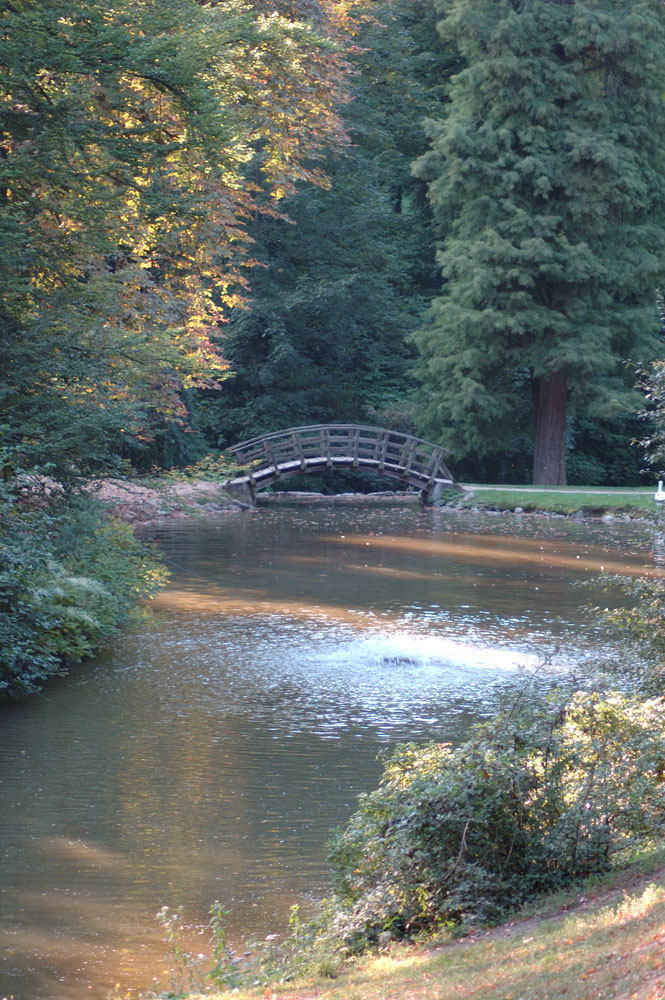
<point>142,503</point>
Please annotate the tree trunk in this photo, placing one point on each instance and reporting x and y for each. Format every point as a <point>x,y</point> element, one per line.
<point>549,451</point>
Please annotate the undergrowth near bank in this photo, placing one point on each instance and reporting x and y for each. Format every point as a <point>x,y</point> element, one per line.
<point>606,942</point>
<point>70,578</point>
<point>537,799</point>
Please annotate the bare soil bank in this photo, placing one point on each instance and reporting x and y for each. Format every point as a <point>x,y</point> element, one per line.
<point>144,502</point>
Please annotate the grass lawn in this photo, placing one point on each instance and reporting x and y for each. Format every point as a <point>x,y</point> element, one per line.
<point>591,500</point>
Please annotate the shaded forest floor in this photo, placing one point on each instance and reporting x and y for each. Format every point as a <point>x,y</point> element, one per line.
<point>141,501</point>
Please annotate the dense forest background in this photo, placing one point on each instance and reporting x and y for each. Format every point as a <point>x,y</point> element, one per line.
<point>226,219</point>
<point>229,218</point>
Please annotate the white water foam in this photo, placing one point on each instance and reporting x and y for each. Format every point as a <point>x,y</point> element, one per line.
<point>402,651</point>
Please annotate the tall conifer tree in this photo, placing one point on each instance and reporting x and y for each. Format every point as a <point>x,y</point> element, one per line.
<point>547,178</point>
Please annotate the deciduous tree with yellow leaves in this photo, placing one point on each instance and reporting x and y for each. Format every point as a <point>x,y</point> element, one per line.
<point>136,140</point>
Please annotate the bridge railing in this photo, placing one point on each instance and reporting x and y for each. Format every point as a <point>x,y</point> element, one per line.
<point>376,447</point>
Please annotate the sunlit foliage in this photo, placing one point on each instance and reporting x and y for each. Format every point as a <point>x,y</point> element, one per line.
<point>136,140</point>
<point>543,795</point>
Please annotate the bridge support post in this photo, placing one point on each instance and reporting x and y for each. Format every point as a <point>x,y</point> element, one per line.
<point>436,493</point>
<point>242,492</point>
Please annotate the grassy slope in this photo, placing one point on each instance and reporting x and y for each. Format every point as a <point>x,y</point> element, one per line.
<point>608,942</point>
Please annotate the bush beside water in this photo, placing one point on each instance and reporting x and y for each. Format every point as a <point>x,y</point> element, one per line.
<point>547,793</point>
<point>537,799</point>
<point>70,578</point>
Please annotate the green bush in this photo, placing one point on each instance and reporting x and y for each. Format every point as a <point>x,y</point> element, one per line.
<point>69,579</point>
<point>536,799</point>
<point>639,630</point>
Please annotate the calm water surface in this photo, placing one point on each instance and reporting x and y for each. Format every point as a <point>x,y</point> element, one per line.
<point>208,755</point>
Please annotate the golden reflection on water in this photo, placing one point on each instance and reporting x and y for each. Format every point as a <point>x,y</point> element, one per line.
<point>392,571</point>
<point>77,944</point>
<point>127,951</point>
<point>226,603</point>
<point>84,855</point>
<point>488,549</point>
<point>91,968</point>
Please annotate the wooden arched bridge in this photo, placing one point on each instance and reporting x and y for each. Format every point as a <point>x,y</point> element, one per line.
<point>266,460</point>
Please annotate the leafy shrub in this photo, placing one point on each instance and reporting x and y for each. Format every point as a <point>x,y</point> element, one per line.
<point>639,629</point>
<point>536,799</point>
<point>69,579</point>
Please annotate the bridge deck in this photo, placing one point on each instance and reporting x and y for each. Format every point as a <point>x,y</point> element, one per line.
<point>318,447</point>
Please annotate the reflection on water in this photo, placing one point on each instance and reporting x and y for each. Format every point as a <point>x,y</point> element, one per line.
<point>207,756</point>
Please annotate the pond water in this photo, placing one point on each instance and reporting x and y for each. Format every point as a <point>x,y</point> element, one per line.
<point>208,754</point>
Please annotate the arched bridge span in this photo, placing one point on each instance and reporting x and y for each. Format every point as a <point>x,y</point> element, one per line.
<point>267,459</point>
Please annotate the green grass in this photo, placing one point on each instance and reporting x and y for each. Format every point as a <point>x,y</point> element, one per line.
<point>589,500</point>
